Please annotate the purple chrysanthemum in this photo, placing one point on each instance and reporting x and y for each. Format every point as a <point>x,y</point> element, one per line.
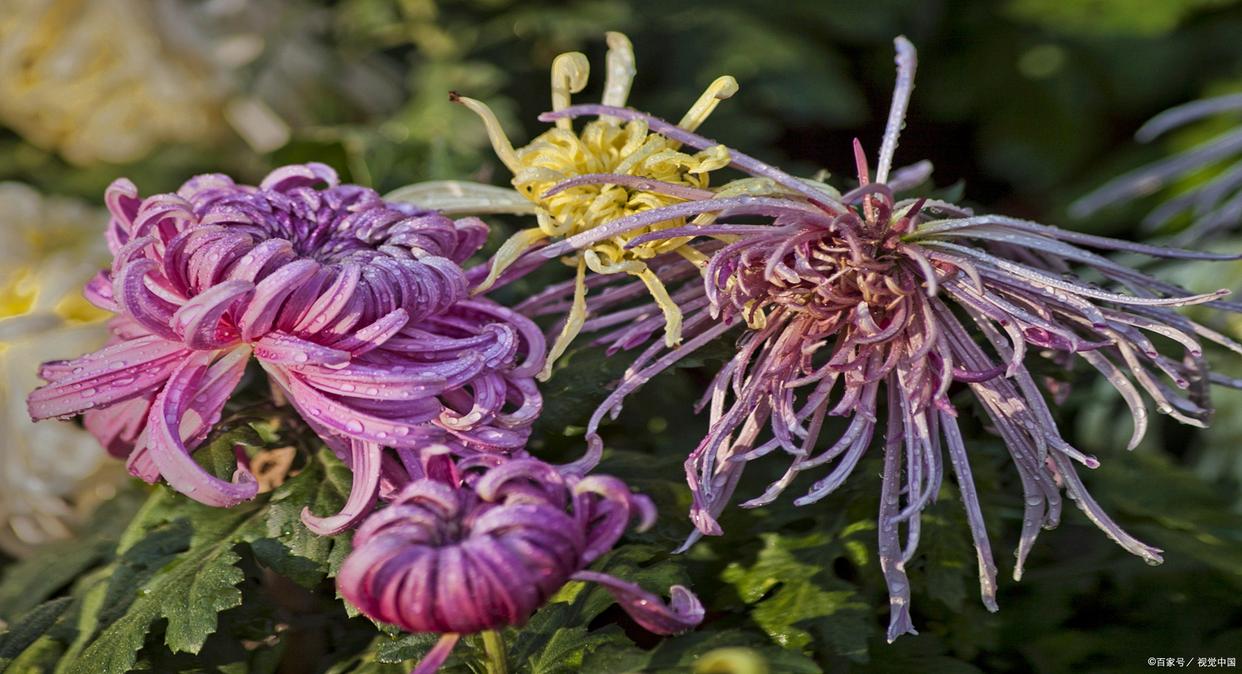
<point>354,306</point>
<point>1214,206</point>
<point>481,549</point>
<point>878,309</point>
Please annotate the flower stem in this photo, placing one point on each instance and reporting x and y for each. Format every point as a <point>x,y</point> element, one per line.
<point>497,658</point>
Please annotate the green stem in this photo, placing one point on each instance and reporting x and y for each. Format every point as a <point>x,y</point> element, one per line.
<point>494,646</point>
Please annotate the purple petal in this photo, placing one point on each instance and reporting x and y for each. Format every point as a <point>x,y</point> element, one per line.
<point>683,612</point>
<point>173,457</point>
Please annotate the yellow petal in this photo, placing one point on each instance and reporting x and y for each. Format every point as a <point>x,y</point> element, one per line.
<point>621,71</point>
<point>672,313</point>
<point>573,323</point>
<point>508,253</point>
<point>724,87</point>
<point>495,133</point>
<point>569,76</point>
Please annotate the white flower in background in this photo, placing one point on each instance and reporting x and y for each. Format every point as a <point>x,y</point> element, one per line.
<point>50,472</point>
<point>111,80</point>
<point>104,80</point>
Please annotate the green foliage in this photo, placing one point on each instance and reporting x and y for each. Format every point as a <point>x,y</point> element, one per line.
<point>1142,17</point>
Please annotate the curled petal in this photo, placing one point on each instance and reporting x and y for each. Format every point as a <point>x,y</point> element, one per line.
<point>173,457</point>
<point>365,464</point>
<point>683,612</point>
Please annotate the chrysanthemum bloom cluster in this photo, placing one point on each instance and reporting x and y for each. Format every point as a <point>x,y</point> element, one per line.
<point>481,545</point>
<point>355,307</point>
<point>1215,205</point>
<point>849,305</point>
<point>50,473</point>
<point>612,168</point>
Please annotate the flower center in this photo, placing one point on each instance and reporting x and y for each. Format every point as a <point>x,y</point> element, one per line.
<point>606,147</point>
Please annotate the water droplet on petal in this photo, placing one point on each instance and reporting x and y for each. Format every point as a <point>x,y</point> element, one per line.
<point>354,425</point>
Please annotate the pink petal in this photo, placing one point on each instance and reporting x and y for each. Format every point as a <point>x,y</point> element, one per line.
<point>173,457</point>
<point>113,374</point>
<point>365,464</point>
<point>683,612</point>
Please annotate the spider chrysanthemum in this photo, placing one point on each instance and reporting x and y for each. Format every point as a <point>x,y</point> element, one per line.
<point>880,309</point>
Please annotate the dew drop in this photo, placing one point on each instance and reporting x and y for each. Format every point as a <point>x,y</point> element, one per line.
<point>372,391</point>
<point>89,392</point>
<point>301,357</point>
<point>355,426</point>
<point>348,387</point>
<point>402,431</point>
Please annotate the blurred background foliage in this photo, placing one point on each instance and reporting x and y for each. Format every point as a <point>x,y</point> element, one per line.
<point>1024,104</point>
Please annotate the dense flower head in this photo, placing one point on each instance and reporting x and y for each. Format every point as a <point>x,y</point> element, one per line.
<point>1213,205</point>
<point>355,307</point>
<point>483,544</point>
<point>877,308</point>
<point>613,167</point>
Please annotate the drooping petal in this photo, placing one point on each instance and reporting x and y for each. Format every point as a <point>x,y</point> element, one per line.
<point>172,456</point>
<point>365,464</point>
<point>683,612</point>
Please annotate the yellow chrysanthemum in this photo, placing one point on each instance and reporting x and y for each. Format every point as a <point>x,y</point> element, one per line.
<point>104,80</point>
<point>603,146</point>
<point>49,247</point>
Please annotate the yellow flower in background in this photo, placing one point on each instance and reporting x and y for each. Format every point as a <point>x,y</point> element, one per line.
<point>49,472</point>
<point>105,80</point>
<point>571,178</point>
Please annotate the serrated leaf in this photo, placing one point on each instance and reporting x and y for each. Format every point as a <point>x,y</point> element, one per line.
<point>791,596</point>
<point>289,547</point>
<point>567,647</point>
<point>189,591</point>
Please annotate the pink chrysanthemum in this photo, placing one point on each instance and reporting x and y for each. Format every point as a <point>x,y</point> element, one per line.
<point>482,545</point>
<point>879,309</point>
<point>355,307</point>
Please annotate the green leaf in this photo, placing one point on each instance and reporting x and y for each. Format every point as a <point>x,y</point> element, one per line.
<point>52,567</point>
<point>289,547</point>
<point>217,455</point>
<point>791,593</point>
<point>685,653</point>
<point>29,628</point>
<point>189,590</point>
